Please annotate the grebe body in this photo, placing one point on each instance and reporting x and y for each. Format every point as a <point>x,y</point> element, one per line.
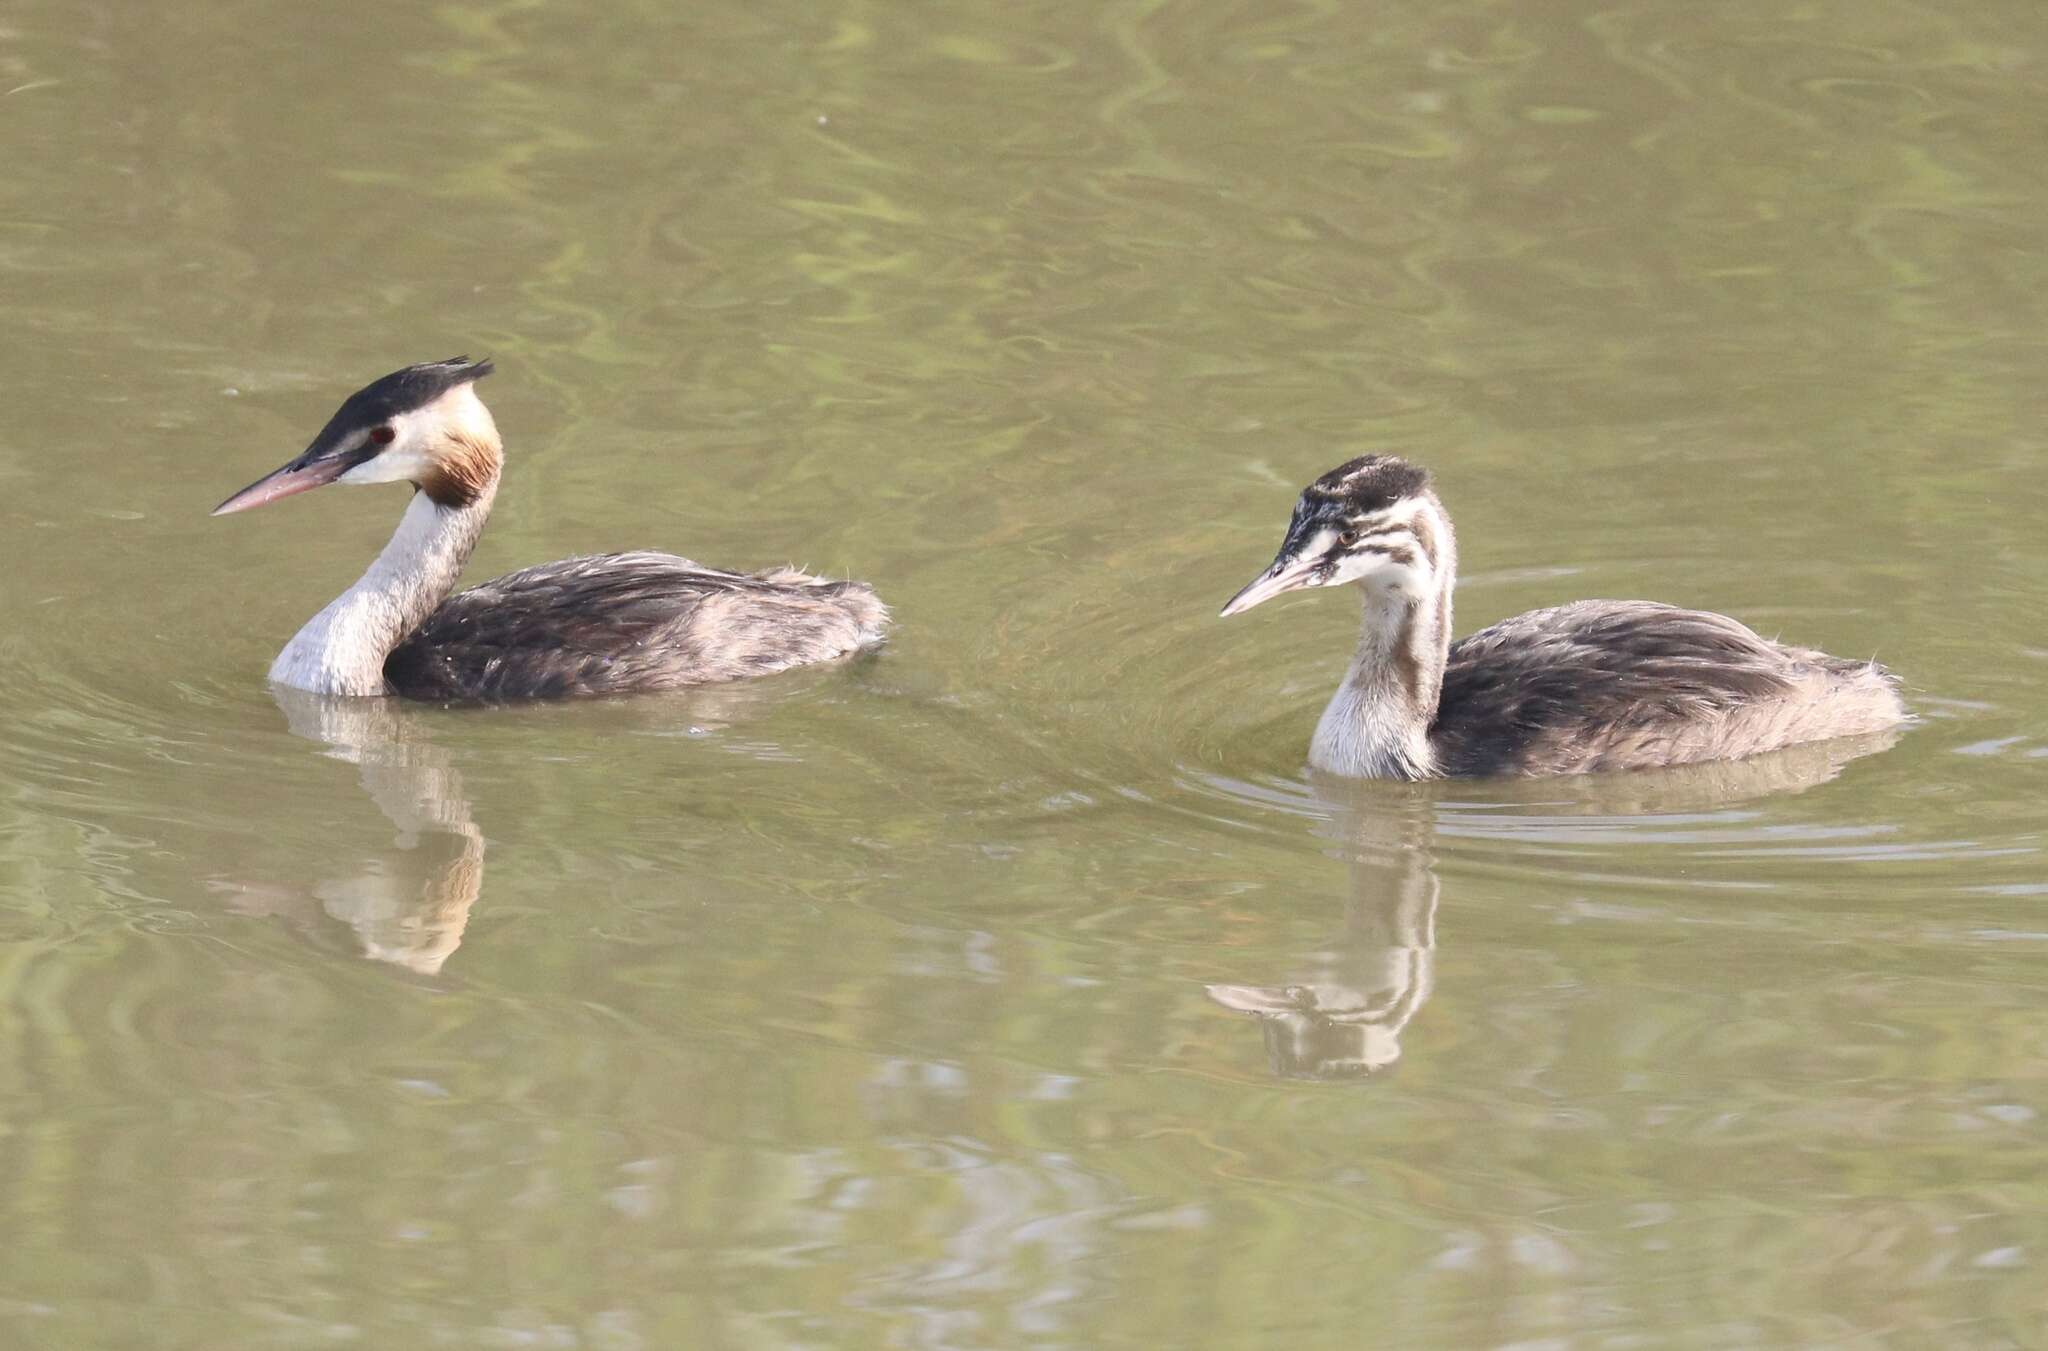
<point>604,624</point>
<point>1590,686</point>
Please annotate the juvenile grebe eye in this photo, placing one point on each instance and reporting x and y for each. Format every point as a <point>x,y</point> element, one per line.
<point>383,436</point>
<point>1348,538</point>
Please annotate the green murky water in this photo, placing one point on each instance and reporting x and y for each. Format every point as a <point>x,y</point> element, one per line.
<point>873,1007</point>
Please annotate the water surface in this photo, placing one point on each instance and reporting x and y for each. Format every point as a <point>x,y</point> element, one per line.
<point>904,1004</point>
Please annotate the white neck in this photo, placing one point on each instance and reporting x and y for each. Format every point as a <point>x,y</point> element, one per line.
<point>1377,724</point>
<point>342,649</point>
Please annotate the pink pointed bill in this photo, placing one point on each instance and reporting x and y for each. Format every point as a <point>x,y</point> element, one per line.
<point>1286,574</point>
<point>296,477</point>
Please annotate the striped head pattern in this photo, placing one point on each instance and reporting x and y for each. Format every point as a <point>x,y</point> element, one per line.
<point>1373,520</point>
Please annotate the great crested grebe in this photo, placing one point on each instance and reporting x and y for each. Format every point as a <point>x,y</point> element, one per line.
<point>1593,685</point>
<point>603,624</point>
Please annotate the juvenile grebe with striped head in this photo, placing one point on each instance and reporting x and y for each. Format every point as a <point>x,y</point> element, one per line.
<point>602,624</point>
<point>1593,685</point>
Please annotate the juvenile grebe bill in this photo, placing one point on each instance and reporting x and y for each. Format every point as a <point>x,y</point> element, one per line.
<point>601,624</point>
<point>1590,686</point>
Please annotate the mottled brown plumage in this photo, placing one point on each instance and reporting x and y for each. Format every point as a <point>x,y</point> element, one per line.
<point>1621,684</point>
<point>1594,685</point>
<point>618,623</point>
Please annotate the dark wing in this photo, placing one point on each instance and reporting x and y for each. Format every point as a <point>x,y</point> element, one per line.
<point>616,623</point>
<point>1597,681</point>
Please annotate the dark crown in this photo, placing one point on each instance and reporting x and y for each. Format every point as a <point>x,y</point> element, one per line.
<point>402,391</point>
<point>1368,483</point>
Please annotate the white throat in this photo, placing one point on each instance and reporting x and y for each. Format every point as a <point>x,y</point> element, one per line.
<point>342,649</point>
<point>1377,724</point>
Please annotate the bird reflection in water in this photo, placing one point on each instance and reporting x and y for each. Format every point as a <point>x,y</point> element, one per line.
<point>1341,1012</point>
<point>409,908</point>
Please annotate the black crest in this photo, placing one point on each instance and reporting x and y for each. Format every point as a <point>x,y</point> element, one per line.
<point>400,392</point>
<point>1368,483</point>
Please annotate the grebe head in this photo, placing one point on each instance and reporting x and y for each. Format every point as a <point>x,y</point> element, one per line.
<point>423,424</point>
<point>1373,520</point>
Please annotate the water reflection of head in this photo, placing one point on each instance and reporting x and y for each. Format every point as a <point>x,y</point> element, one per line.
<point>1341,1013</point>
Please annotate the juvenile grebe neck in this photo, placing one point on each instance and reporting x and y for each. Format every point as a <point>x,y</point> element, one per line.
<point>1377,724</point>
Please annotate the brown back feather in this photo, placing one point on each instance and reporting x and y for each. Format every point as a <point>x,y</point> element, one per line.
<point>617,623</point>
<point>1551,690</point>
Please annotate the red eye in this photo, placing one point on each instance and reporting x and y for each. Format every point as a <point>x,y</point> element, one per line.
<point>383,436</point>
